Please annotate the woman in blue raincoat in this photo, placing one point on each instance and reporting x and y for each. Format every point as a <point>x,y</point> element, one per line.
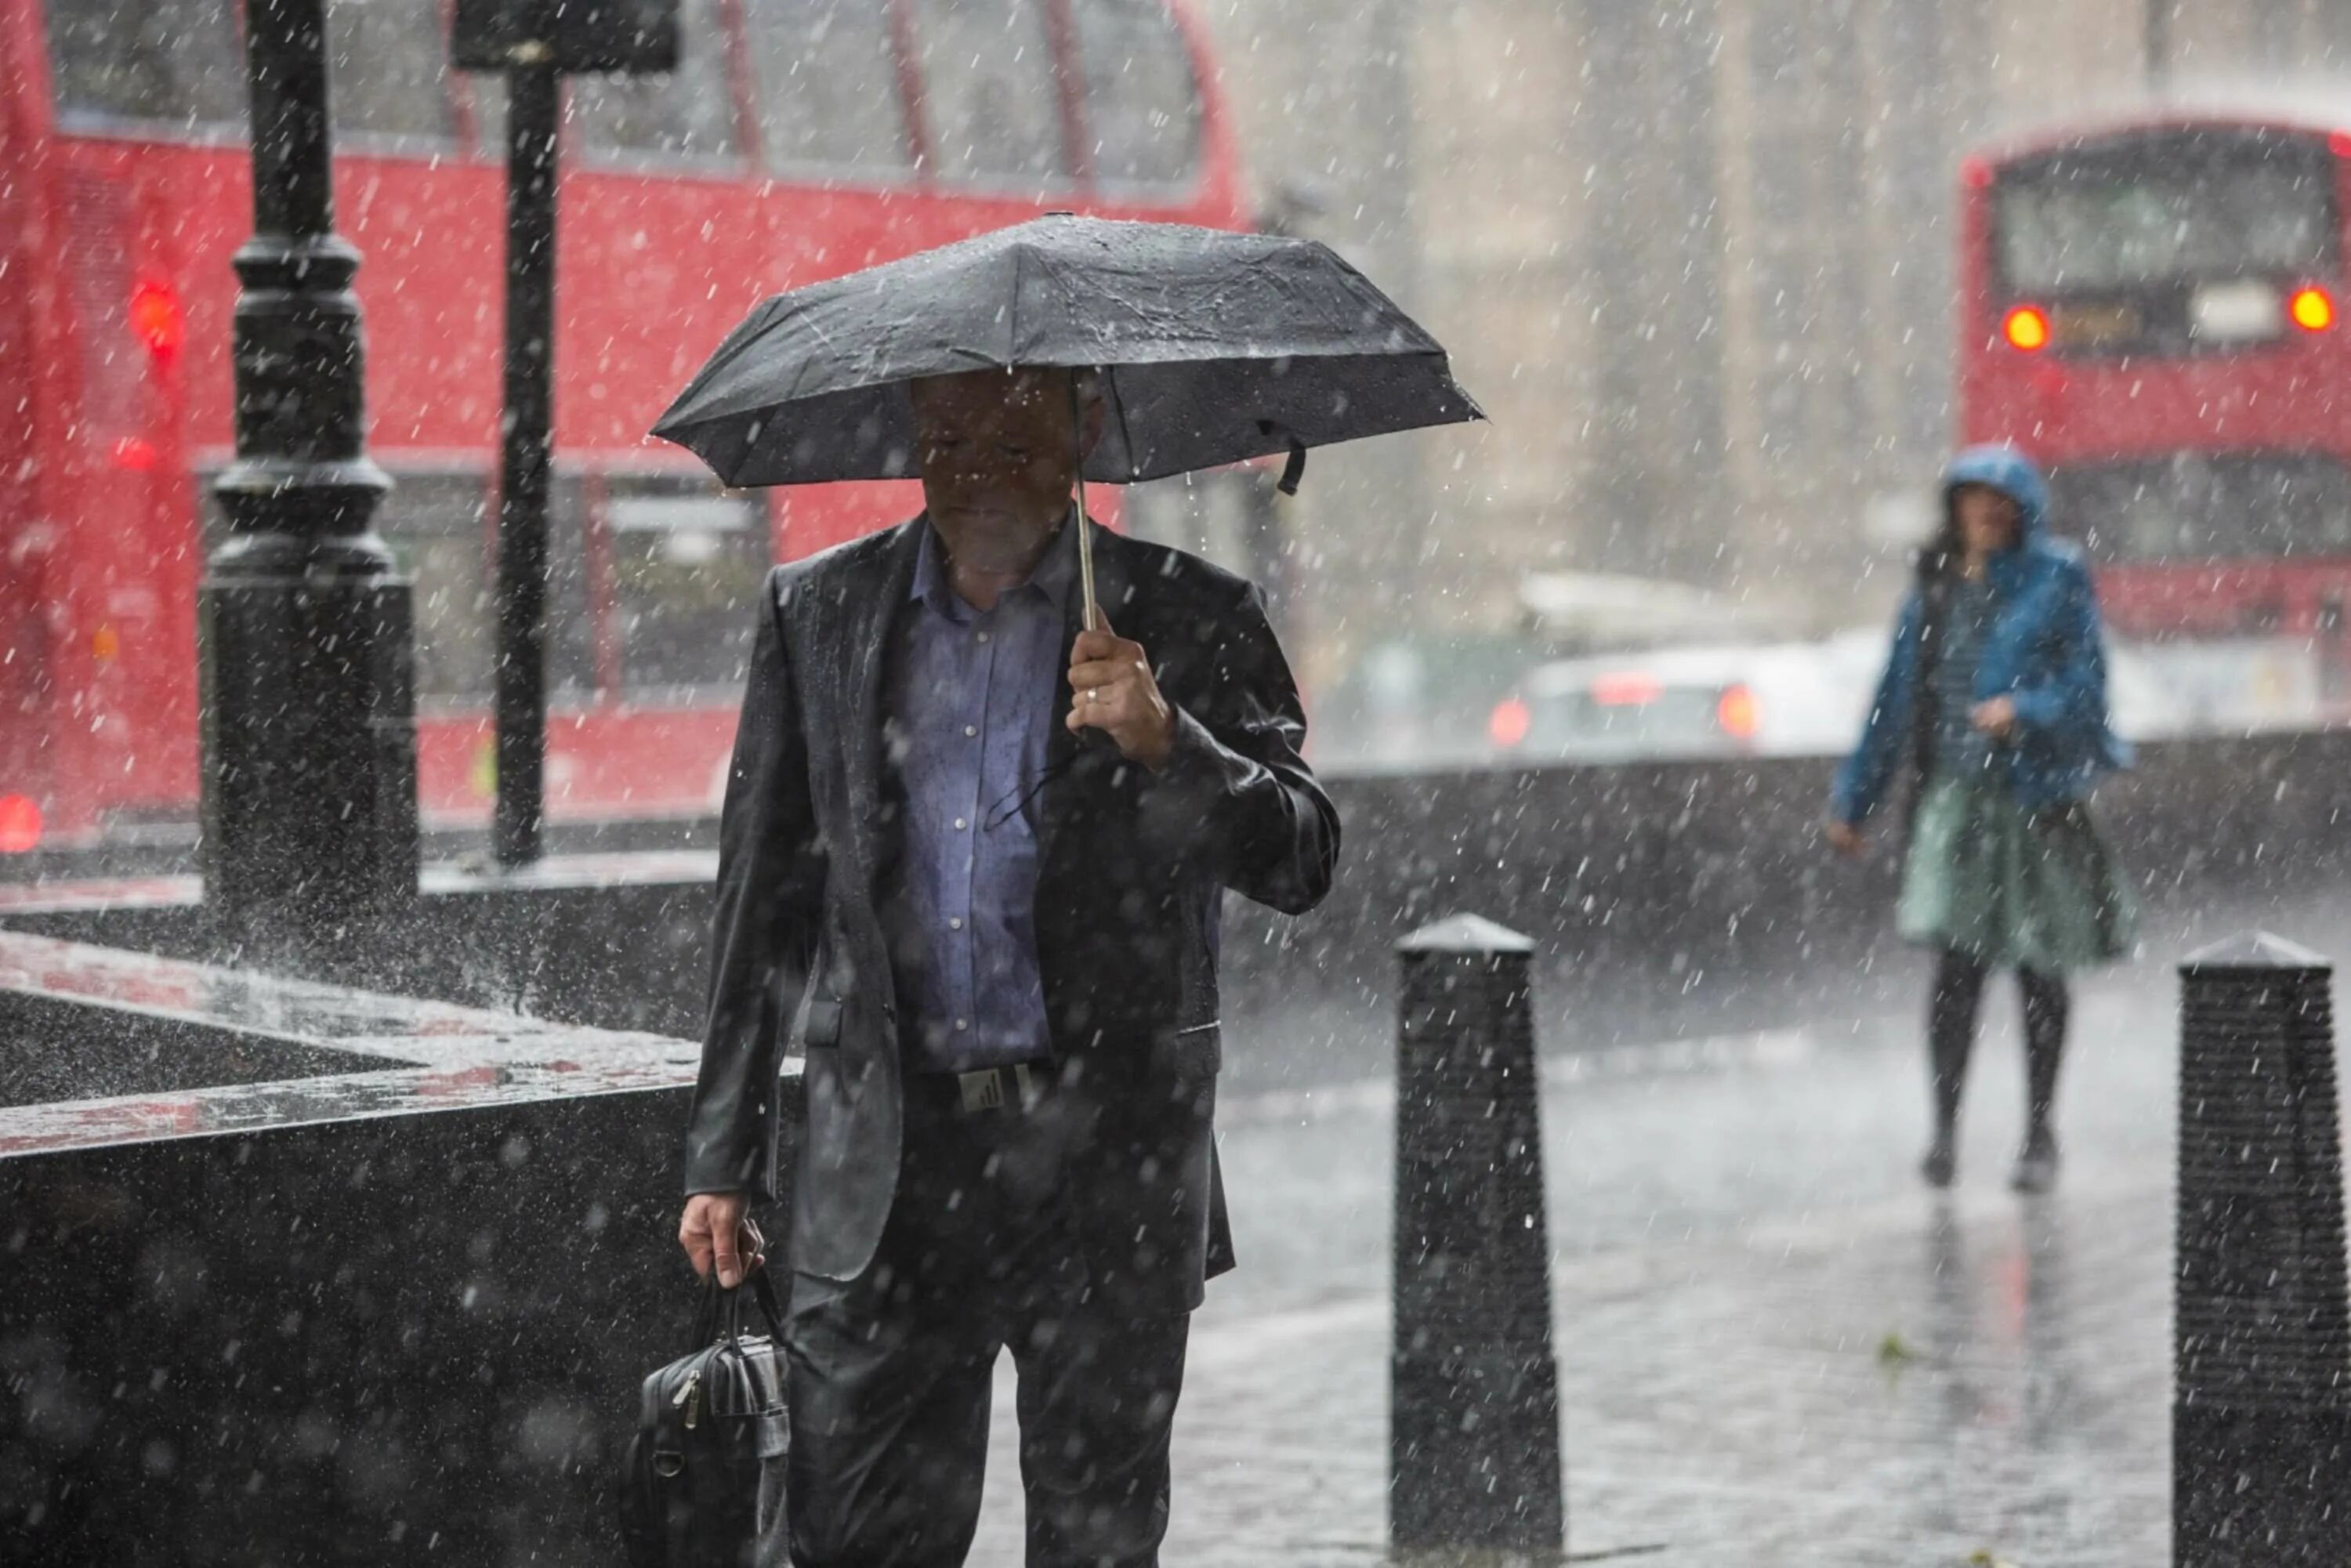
<point>1995,695</point>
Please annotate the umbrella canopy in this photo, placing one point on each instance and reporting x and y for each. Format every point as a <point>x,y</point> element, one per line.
<point>1214,347</point>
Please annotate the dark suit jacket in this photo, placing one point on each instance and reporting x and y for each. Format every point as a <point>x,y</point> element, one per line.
<point>1131,865</point>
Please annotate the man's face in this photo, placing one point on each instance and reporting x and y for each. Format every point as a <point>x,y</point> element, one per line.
<point>998,453</point>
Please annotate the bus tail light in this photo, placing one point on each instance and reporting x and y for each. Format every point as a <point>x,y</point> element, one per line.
<point>156,317</point>
<point>2311,308</point>
<point>1736,712</point>
<point>20,825</point>
<point>2026,328</point>
<point>1508,723</point>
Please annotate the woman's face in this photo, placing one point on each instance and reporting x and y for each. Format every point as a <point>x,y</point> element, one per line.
<point>1987,519</point>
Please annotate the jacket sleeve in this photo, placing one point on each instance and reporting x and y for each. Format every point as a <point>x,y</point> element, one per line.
<point>1863,781</point>
<point>2071,696</point>
<point>1235,790</point>
<point>770,899</point>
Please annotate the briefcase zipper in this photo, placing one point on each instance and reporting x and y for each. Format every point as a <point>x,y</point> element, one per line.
<point>691,1398</point>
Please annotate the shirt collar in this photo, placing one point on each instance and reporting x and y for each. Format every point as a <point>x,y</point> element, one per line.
<point>1054,572</point>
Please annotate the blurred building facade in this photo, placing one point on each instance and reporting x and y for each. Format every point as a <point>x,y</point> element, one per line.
<point>1694,257</point>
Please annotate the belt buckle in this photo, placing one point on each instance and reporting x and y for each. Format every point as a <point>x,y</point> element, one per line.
<point>984,1089</point>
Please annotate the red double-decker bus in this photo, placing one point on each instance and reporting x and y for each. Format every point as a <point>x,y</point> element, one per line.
<point>2153,308</point>
<point>796,140</point>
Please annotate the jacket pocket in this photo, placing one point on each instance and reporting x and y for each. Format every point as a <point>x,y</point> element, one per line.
<point>821,1030</point>
<point>1194,1052</point>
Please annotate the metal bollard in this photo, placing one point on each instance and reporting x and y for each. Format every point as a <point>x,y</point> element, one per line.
<point>1474,1448</point>
<point>2261,1424</point>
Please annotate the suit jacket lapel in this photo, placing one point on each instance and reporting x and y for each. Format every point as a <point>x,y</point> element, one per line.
<point>867,627</point>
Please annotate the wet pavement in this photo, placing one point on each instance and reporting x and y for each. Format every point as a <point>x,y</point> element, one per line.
<point>1775,1345</point>
<point>109,1047</point>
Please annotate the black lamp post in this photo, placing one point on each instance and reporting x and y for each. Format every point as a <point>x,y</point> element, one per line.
<point>309,729</point>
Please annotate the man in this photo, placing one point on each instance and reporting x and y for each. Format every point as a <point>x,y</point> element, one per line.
<point>971,862</point>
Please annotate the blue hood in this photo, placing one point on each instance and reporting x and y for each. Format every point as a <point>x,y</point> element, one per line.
<point>2013,474</point>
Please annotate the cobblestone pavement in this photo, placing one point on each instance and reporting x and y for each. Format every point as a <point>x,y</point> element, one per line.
<point>1775,1345</point>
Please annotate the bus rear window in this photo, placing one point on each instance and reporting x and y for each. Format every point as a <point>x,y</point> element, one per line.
<point>2177,208</point>
<point>176,68</point>
<point>827,86</point>
<point>684,116</point>
<point>988,91</point>
<point>2200,508</point>
<point>389,65</point>
<point>1143,109</point>
<point>176,65</point>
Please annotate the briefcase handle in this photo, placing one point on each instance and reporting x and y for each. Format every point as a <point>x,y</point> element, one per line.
<point>722,1309</point>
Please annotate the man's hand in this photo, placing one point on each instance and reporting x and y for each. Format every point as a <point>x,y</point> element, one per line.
<point>1113,689</point>
<point>1846,838</point>
<point>1996,717</point>
<point>715,1229</point>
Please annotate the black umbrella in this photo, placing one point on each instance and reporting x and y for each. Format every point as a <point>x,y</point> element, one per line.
<point>1214,347</point>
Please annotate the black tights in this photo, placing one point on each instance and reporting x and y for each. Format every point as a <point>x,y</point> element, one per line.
<point>1951,1034</point>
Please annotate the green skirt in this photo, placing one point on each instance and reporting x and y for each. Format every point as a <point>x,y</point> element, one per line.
<point>2014,889</point>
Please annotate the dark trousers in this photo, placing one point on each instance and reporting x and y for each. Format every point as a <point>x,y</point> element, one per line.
<point>1951,1035</point>
<point>890,1373</point>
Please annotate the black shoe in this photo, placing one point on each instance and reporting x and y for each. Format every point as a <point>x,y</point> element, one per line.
<point>1941,1164</point>
<point>2036,1167</point>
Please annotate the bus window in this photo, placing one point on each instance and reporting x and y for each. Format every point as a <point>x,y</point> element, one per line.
<point>571,614</point>
<point>2195,506</point>
<point>1143,109</point>
<point>685,116</point>
<point>438,533</point>
<point>175,64</point>
<point>828,87</point>
<point>389,63</point>
<point>441,534</point>
<point>2167,209</point>
<point>989,91</point>
<point>688,564</point>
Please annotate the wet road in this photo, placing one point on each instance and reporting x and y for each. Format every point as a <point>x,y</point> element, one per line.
<point>1775,1345</point>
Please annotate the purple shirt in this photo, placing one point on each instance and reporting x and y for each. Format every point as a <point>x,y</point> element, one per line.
<point>972,705</point>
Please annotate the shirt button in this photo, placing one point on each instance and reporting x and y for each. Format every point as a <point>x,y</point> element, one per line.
<point>955,922</point>
<point>983,636</point>
<point>959,824</point>
<point>962,1024</point>
<point>969,730</point>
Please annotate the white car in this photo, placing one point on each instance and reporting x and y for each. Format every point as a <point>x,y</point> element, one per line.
<point>1808,699</point>
<point>1784,699</point>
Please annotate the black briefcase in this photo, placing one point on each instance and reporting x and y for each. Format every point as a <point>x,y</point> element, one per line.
<point>702,1484</point>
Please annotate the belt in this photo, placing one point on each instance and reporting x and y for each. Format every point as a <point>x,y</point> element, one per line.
<point>999,1088</point>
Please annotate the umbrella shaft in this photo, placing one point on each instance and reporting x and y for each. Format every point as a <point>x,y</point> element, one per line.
<point>1092,621</point>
